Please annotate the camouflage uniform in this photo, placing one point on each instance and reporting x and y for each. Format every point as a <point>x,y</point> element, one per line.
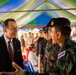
<point>47,48</point>
<point>50,55</point>
<point>48,44</point>
<point>66,61</point>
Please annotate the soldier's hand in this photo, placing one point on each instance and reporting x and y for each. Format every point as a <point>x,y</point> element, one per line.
<point>19,70</point>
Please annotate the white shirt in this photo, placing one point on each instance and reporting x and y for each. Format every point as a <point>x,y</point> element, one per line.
<point>33,59</point>
<point>11,43</point>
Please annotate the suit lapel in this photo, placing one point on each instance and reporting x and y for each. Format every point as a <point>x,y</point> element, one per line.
<point>4,47</point>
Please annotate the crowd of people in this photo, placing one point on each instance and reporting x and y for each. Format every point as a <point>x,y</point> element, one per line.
<point>51,52</point>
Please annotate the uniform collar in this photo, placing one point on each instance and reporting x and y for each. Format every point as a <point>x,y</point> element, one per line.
<point>64,44</point>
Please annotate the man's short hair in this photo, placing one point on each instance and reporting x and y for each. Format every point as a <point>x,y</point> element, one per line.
<point>5,23</point>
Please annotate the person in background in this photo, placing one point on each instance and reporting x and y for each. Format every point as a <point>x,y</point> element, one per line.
<point>25,38</point>
<point>10,49</point>
<point>32,57</point>
<point>22,43</point>
<point>42,45</point>
<point>32,35</point>
<point>29,39</point>
<point>38,35</point>
<point>39,47</point>
<point>47,50</point>
<point>37,40</point>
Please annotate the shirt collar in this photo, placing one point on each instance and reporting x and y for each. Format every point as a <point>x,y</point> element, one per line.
<point>6,39</point>
<point>32,52</point>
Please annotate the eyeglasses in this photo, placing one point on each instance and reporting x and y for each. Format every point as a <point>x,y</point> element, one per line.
<point>13,29</point>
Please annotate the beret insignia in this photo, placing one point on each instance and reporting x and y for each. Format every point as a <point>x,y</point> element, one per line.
<point>52,23</point>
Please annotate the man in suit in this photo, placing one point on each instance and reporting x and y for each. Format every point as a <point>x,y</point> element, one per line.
<point>10,52</point>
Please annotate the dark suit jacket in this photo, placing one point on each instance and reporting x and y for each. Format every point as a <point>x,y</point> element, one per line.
<point>5,64</point>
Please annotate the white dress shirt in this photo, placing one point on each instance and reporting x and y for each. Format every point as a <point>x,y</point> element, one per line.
<point>11,43</point>
<point>33,59</point>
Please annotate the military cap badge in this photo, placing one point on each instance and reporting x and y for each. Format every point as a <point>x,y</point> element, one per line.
<point>52,23</point>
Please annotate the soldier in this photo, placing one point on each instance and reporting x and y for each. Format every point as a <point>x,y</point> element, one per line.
<point>50,55</point>
<point>42,45</point>
<point>65,63</point>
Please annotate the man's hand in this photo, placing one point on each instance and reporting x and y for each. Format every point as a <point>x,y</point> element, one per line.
<point>19,70</point>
